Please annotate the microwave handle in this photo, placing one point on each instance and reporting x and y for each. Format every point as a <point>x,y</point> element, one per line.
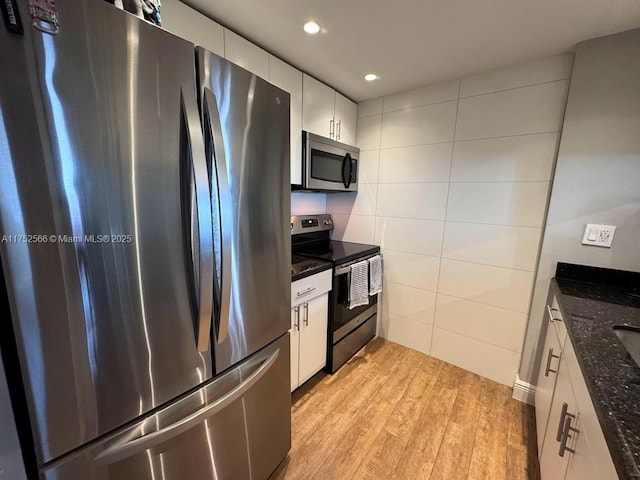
<point>346,181</point>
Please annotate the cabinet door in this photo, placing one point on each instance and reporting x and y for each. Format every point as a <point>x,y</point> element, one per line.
<point>581,466</point>
<point>551,359</point>
<point>318,106</point>
<point>346,120</point>
<point>289,79</point>
<point>599,461</point>
<point>294,336</point>
<point>245,54</point>
<point>185,22</point>
<point>313,337</point>
<point>552,465</point>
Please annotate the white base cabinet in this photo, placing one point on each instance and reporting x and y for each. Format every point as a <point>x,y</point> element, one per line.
<point>571,444</point>
<point>309,325</point>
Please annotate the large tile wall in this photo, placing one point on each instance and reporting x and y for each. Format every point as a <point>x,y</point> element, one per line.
<point>454,185</point>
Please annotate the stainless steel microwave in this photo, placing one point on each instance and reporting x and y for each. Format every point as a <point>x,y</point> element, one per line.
<point>327,165</point>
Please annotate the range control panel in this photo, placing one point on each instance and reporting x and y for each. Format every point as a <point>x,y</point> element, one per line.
<point>311,223</point>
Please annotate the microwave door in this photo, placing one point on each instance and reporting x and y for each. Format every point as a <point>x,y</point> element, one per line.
<point>329,171</point>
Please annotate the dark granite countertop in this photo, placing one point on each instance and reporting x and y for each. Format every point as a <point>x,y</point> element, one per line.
<point>612,377</point>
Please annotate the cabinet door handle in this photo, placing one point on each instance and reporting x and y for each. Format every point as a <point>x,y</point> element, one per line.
<point>331,128</point>
<point>339,129</point>
<point>563,416</point>
<point>296,324</point>
<point>548,370</point>
<point>566,435</point>
<point>550,312</point>
<point>306,314</point>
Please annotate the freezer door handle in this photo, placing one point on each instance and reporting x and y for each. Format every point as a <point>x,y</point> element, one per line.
<point>220,185</point>
<point>198,159</point>
<point>120,451</point>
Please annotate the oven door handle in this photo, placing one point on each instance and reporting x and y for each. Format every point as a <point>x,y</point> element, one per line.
<point>347,268</point>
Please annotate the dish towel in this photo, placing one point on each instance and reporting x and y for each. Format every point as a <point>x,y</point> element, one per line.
<point>359,284</point>
<point>375,275</point>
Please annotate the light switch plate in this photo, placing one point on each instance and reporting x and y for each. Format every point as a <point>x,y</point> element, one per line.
<point>598,235</point>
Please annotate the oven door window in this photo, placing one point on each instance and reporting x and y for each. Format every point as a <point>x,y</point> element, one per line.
<point>326,166</point>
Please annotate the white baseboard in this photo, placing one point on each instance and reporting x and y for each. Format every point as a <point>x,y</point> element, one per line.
<point>523,391</point>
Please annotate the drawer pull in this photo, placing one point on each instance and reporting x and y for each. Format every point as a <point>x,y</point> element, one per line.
<point>566,435</point>
<point>305,291</point>
<point>550,312</point>
<point>563,416</point>
<point>548,370</point>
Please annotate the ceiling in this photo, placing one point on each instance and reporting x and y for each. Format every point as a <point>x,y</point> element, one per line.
<point>410,43</point>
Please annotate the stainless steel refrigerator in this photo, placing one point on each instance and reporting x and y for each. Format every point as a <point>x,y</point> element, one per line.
<point>144,205</point>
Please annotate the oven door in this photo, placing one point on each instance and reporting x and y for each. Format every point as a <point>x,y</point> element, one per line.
<point>329,166</point>
<point>344,320</point>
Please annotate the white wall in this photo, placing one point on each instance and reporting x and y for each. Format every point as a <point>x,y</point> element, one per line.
<point>597,177</point>
<point>453,185</point>
<point>308,203</point>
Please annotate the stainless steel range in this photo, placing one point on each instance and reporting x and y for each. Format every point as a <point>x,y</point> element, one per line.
<point>349,329</point>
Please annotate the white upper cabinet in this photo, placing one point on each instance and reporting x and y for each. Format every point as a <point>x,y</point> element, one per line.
<point>191,25</point>
<point>346,118</point>
<point>318,107</point>
<point>244,53</point>
<point>325,112</point>
<point>289,79</point>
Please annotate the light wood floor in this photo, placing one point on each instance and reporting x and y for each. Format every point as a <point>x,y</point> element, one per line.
<point>394,413</point>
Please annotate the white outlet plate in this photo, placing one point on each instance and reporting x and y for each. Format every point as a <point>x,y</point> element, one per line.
<point>598,235</point>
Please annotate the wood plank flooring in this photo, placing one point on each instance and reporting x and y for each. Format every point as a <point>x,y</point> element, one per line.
<point>394,413</point>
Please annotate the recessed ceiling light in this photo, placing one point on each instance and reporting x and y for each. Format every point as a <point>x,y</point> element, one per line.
<point>370,77</point>
<point>311,27</point>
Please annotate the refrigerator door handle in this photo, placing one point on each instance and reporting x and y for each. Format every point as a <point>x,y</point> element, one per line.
<point>195,141</point>
<point>121,451</point>
<point>223,195</point>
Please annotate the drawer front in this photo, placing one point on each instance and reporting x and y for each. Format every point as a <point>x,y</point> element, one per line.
<point>307,288</point>
<point>558,322</point>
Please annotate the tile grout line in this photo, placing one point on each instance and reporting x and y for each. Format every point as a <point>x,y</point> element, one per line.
<point>493,92</point>
<point>444,227</point>
<point>549,132</point>
<point>506,225</point>
<point>375,214</point>
<point>490,92</point>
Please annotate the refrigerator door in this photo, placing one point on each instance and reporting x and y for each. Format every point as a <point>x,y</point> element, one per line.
<point>246,124</point>
<point>236,427</point>
<point>101,152</point>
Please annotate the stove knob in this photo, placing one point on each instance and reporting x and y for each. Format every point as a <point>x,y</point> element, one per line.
<point>292,226</point>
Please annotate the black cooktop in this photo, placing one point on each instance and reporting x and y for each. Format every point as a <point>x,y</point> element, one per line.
<point>338,252</point>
